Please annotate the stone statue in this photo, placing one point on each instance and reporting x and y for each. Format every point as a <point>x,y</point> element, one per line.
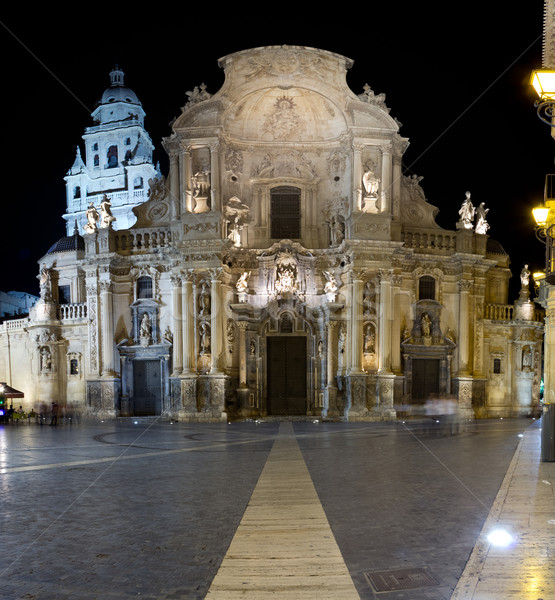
<point>336,231</point>
<point>236,214</point>
<point>204,338</point>
<point>242,282</point>
<point>525,277</point>
<point>106,216</point>
<point>526,358</point>
<point>369,340</point>
<point>371,184</point>
<point>466,213</point>
<point>46,359</point>
<point>204,300</point>
<point>92,219</point>
<point>145,329</point>
<point>481,224</point>
<point>331,283</point>
<point>45,283</point>
<point>426,325</point>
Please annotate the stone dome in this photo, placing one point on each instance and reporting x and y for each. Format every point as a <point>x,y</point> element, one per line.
<point>118,92</point>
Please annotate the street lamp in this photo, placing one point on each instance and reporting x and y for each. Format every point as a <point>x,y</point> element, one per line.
<point>543,81</point>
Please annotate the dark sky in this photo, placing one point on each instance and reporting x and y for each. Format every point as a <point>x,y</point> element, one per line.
<point>457,80</point>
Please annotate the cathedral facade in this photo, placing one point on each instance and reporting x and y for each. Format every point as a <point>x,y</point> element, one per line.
<point>284,267</point>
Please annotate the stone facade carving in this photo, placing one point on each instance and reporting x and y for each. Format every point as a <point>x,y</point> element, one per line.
<point>284,265</point>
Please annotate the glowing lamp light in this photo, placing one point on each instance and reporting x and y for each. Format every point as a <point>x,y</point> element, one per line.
<point>540,215</point>
<point>500,537</point>
<point>543,81</point>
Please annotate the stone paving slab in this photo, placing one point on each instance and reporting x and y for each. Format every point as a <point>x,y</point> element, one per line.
<point>105,511</point>
<point>283,546</point>
<point>525,508</point>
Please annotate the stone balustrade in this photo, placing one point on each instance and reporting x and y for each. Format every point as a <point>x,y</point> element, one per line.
<point>499,312</point>
<point>72,312</point>
<point>14,324</point>
<point>133,241</point>
<point>430,240</point>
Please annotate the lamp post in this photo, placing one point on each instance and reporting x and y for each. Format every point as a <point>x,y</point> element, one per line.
<point>543,81</point>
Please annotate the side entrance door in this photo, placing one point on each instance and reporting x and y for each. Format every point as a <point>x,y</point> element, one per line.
<point>147,388</point>
<point>286,375</point>
<point>425,379</point>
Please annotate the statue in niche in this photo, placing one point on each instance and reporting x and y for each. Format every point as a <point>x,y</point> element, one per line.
<point>369,340</point>
<point>371,184</point>
<point>242,285</point>
<point>92,219</point>
<point>466,213</point>
<point>368,300</point>
<point>145,330</point>
<point>286,271</point>
<point>481,224</point>
<point>204,300</point>
<point>426,324</point>
<point>106,216</point>
<point>252,348</point>
<point>201,190</point>
<point>45,359</point>
<point>331,284</point>
<point>525,277</point>
<point>236,214</point>
<point>204,332</point>
<point>527,358</point>
<point>337,233</point>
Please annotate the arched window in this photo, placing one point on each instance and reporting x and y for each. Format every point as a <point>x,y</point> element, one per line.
<point>144,287</point>
<point>96,160</point>
<point>427,288</point>
<point>77,192</point>
<point>285,213</point>
<point>497,365</point>
<point>112,156</point>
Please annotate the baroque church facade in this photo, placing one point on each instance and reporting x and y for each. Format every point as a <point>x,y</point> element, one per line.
<point>285,266</point>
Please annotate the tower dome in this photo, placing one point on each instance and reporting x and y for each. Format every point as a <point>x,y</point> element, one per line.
<point>118,92</point>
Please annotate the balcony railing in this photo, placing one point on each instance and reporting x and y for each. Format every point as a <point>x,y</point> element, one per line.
<point>72,312</point>
<point>134,241</point>
<point>430,241</point>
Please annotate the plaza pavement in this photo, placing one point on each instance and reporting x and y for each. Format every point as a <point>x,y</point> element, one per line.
<point>255,510</point>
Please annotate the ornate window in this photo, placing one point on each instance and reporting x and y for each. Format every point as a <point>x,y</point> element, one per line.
<point>64,294</point>
<point>112,156</point>
<point>427,288</point>
<point>144,287</point>
<point>285,213</point>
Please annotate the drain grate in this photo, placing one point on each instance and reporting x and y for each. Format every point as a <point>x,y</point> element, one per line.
<point>400,579</point>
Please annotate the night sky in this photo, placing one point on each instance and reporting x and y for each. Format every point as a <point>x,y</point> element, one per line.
<point>457,81</point>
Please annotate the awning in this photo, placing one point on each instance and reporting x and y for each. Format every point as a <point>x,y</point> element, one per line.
<point>10,392</point>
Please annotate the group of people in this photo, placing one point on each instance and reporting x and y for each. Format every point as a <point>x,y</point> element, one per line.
<point>42,415</point>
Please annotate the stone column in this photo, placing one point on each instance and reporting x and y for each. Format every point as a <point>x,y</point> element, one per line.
<point>386,191</point>
<point>215,200</point>
<point>107,328</point>
<point>465,286</point>
<point>242,327</point>
<point>355,334</point>
<point>385,312</point>
<point>188,335</point>
<point>215,322</point>
<point>92,313</point>
<point>177,326</point>
<point>174,184</point>
<point>331,353</point>
<point>186,185</point>
<point>357,177</point>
